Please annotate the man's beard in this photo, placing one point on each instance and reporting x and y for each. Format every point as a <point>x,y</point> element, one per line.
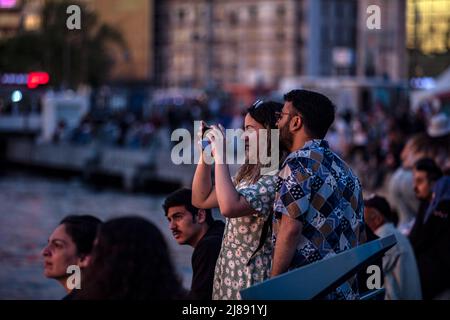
<point>286,138</point>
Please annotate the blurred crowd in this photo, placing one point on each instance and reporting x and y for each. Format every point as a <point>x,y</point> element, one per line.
<point>373,141</point>
<point>401,155</point>
<point>132,130</point>
<point>121,129</point>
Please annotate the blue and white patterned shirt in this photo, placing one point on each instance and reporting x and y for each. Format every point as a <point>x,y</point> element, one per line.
<point>318,188</point>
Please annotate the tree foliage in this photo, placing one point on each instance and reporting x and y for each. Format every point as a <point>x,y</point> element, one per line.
<point>71,57</point>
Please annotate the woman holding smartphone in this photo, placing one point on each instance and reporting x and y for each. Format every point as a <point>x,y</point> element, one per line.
<point>246,201</point>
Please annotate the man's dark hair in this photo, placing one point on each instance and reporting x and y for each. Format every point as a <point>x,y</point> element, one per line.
<point>316,110</point>
<point>428,165</point>
<point>380,203</point>
<point>183,197</point>
<point>83,230</point>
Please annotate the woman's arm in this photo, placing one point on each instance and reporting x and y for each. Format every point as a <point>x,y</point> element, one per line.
<point>203,192</point>
<point>231,203</point>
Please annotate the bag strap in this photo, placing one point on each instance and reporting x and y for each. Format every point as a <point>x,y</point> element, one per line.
<point>265,231</point>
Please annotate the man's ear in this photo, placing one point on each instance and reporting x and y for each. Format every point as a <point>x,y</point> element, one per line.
<point>201,216</point>
<point>296,123</point>
<point>379,218</point>
<point>84,260</point>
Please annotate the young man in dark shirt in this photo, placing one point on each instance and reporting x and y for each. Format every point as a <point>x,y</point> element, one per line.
<point>429,235</point>
<point>425,173</point>
<point>197,228</point>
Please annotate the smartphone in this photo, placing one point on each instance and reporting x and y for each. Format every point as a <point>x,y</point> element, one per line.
<point>205,143</point>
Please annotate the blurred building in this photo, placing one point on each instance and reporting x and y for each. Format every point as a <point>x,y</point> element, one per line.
<point>259,42</point>
<point>428,36</point>
<point>236,41</point>
<point>330,40</point>
<point>253,42</point>
<point>382,52</point>
<point>9,17</point>
<point>429,25</point>
<point>18,15</point>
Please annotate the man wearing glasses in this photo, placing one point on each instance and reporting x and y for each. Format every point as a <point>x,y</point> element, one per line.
<point>318,207</point>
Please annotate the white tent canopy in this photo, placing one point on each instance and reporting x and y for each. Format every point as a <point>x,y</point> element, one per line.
<point>442,85</point>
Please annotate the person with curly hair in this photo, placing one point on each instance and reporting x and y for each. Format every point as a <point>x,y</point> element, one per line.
<point>130,261</point>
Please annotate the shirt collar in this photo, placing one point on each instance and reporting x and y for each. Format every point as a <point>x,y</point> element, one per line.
<point>386,228</point>
<point>310,144</point>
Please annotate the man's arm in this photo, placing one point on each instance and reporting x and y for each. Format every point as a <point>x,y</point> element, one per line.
<point>288,237</point>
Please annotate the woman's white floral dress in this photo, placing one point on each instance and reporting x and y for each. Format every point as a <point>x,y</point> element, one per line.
<point>238,266</point>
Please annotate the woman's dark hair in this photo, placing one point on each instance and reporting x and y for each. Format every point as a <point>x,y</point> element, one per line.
<point>183,197</point>
<point>83,230</point>
<point>130,261</point>
<point>265,113</point>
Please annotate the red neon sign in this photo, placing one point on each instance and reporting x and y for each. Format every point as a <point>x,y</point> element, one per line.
<point>37,78</point>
